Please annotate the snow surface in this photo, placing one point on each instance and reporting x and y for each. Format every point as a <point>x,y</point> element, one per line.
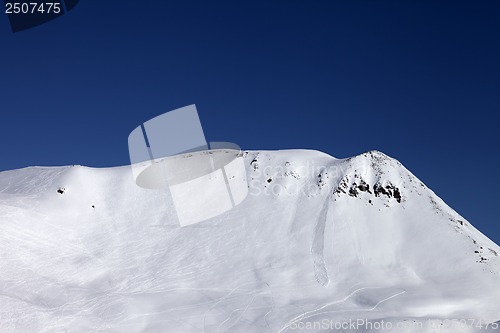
<point>318,240</point>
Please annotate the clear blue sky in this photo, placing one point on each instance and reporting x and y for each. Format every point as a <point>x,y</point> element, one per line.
<point>418,80</point>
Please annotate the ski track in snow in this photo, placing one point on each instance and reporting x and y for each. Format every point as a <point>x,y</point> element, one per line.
<point>255,293</point>
<point>272,309</point>
<point>318,245</point>
<point>315,313</point>
<point>220,301</point>
<point>239,317</point>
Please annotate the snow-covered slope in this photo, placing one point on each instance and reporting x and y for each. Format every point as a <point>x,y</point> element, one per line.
<point>318,244</point>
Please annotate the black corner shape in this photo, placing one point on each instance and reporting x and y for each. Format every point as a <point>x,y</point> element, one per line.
<point>26,14</point>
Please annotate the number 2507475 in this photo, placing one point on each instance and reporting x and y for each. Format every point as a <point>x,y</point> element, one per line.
<point>32,8</point>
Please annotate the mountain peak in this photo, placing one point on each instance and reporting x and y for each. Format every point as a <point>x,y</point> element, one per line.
<point>316,238</point>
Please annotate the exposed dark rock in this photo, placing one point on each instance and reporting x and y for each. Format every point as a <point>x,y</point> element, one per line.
<point>397,195</point>
<point>379,189</point>
<point>352,191</point>
<point>339,190</point>
<point>358,186</point>
<point>364,187</point>
<point>342,188</point>
<point>254,164</point>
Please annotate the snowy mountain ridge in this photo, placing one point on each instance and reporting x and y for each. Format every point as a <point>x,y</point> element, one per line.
<point>317,238</point>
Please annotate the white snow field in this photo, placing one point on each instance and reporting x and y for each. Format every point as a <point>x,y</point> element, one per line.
<point>318,245</point>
